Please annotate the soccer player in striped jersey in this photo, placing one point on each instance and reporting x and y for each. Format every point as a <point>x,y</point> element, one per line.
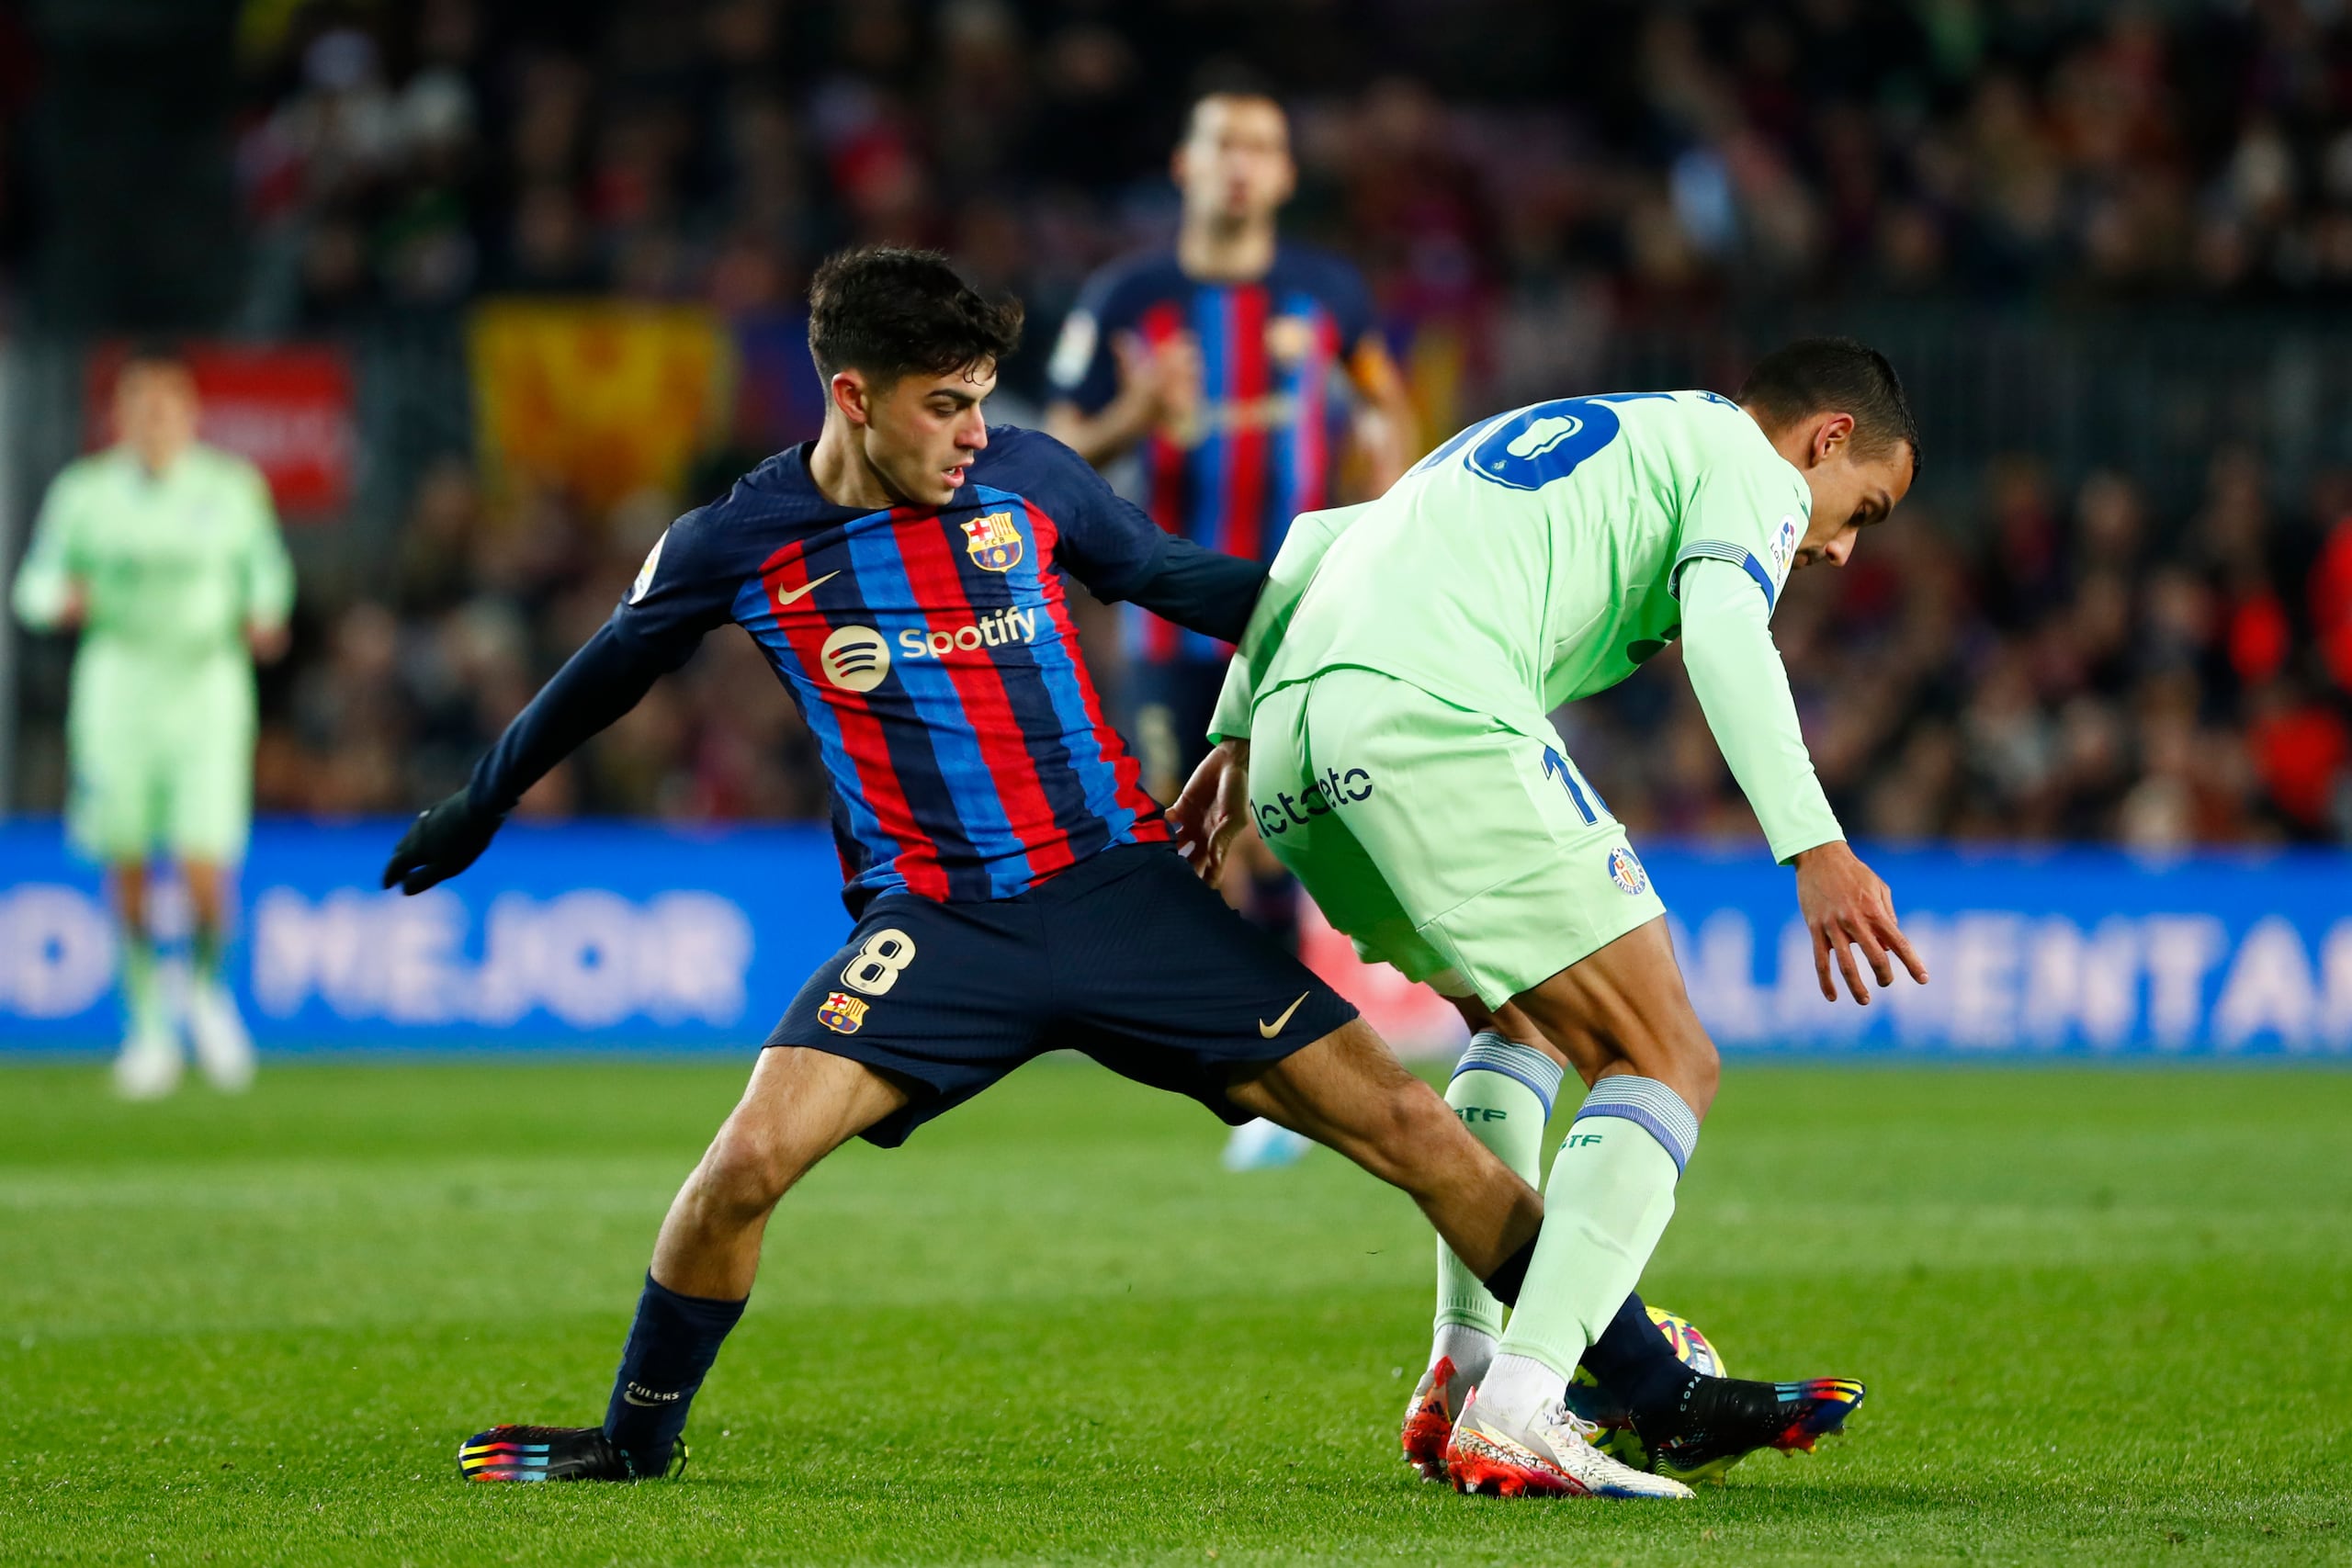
<point>1014,890</point>
<point>1243,367</point>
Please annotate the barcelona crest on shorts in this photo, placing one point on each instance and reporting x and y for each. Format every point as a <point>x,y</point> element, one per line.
<point>993,542</point>
<point>842,1014</point>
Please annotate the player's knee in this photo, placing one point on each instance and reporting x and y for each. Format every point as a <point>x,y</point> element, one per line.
<point>1697,1068</point>
<point>749,1169</point>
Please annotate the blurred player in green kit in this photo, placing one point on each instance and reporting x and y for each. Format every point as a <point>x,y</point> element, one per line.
<point>163,553</point>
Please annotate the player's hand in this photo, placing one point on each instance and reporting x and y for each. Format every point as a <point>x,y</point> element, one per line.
<point>1164,379</point>
<point>440,843</point>
<point>269,643</point>
<point>1213,809</point>
<point>1847,906</point>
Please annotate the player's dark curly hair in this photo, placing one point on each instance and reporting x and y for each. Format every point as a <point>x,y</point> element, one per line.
<point>1817,375</point>
<point>891,311</point>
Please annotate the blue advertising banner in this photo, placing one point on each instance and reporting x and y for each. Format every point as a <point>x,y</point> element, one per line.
<point>630,936</point>
<point>579,936</point>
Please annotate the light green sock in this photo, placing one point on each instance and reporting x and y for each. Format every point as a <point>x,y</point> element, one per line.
<point>1503,1092</point>
<point>1611,1194</point>
<point>142,991</point>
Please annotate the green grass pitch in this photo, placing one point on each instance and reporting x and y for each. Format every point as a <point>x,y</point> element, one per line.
<point>2104,1315</point>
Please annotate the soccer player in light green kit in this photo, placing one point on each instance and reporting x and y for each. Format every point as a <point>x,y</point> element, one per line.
<point>1385,725</point>
<point>163,553</point>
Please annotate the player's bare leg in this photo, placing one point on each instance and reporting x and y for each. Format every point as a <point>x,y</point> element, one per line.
<point>800,1106</point>
<point>148,1067</point>
<point>223,1049</point>
<point>1349,1092</point>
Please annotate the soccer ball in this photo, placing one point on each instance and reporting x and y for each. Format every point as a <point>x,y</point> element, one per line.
<point>1616,1437</point>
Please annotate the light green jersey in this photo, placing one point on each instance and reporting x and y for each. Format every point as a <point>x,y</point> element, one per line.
<point>1540,558</point>
<point>1534,559</point>
<point>171,567</point>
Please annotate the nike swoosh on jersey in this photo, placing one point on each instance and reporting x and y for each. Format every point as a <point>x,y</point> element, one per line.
<point>805,588</point>
<point>1268,1031</point>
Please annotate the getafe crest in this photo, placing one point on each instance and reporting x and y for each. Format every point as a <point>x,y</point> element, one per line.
<point>1626,872</point>
<point>993,542</point>
<point>841,1013</point>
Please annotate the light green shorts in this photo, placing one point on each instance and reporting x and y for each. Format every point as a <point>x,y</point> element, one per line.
<point>1445,843</point>
<point>169,777</point>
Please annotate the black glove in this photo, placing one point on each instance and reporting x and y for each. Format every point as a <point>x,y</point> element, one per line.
<point>440,843</point>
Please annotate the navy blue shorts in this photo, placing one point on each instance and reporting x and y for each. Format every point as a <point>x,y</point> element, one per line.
<point>1126,956</point>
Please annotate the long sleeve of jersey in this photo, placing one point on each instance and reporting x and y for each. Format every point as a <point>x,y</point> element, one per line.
<point>45,580</point>
<point>608,676</point>
<point>1110,545</point>
<point>1742,689</point>
<point>269,570</point>
<point>1203,590</point>
<point>683,592</point>
<point>1303,546</point>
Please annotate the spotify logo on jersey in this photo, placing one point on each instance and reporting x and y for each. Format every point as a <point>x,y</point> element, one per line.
<point>855,658</point>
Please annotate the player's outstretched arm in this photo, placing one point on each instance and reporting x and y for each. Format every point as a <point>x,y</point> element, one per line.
<point>1742,689</point>
<point>606,679</point>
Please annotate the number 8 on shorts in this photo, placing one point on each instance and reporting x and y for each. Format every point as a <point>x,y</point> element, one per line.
<point>875,968</point>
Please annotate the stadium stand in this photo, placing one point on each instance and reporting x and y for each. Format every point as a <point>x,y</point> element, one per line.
<point>2058,641</point>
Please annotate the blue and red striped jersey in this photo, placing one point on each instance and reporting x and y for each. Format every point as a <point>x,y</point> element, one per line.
<point>930,652</point>
<point>1273,407</point>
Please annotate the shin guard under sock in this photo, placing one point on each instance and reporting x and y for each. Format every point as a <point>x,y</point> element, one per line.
<point>1503,1093</point>
<point>670,1346</point>
<point>1609,1196</point>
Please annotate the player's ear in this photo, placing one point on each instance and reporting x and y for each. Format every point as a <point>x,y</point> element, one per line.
<point>1832,435</point>
<point>850,396</point>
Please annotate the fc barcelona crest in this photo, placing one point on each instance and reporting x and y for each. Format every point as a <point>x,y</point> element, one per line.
<point>841,1013</point>
<point>993,542</point>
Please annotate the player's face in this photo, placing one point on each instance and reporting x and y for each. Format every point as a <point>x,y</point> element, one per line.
<point>1234,165</point>
<point>923,432</point>
<point>1850,495</point>
<point>154,408</point>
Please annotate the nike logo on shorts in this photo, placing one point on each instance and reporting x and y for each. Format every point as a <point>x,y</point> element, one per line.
<point>806,589</point>
<point>1268,1031</point>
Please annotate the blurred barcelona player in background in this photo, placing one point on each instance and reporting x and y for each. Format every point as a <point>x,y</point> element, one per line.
<point>1248,372</point>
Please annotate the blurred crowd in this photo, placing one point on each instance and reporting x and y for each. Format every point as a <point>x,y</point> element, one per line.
<point>1670,155</point>
<point>2028,654</point>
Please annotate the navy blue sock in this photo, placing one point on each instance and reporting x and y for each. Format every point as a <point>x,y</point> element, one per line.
<point>670,1349</point>
<point>1636,1365</point>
